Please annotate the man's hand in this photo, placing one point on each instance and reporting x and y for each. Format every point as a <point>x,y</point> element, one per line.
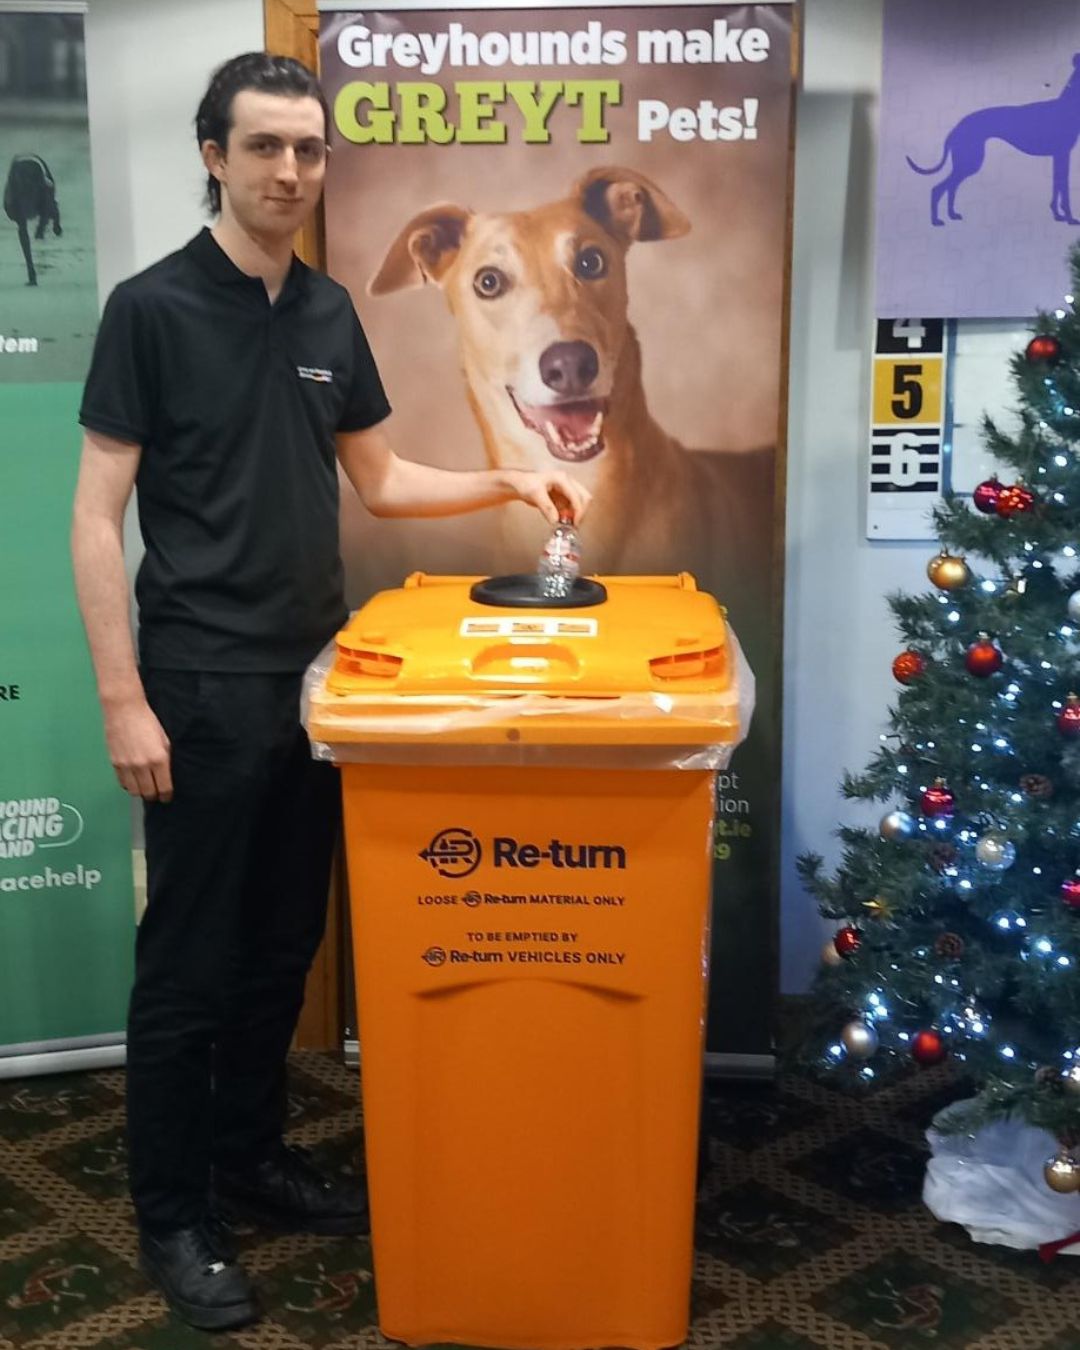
<point>139,749</point>
<point>390,486</point>
<point>553,493</point>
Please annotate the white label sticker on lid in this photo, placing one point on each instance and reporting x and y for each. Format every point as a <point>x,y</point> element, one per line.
<point>547,626</point>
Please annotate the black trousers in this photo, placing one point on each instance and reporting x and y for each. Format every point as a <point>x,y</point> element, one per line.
<point>238,868</point>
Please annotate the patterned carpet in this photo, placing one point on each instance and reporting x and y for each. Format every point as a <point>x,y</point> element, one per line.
<point>810,1231</point>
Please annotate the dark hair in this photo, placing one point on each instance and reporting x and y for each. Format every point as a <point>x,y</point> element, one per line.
<point>265,74</point>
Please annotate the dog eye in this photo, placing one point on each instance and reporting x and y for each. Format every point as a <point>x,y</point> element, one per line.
<point>590,264</point>
<point>490,282</point>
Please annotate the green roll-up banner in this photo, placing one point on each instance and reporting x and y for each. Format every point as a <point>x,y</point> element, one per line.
<point>66,894</point>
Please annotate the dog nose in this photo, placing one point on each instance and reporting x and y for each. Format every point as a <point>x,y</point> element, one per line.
<point>569,367</point>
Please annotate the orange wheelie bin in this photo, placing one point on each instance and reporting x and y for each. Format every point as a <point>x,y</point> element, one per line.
<point>528,792</point>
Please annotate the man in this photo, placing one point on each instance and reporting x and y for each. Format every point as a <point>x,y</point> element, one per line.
<point>223,381</point>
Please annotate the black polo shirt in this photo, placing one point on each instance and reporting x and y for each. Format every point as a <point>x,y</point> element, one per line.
<point>235,403</point>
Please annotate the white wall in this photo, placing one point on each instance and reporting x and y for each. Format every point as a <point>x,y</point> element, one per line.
<point>148,64</point>
<point>839,638</point>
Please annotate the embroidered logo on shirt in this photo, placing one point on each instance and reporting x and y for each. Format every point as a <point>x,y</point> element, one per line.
<point>315,373</point>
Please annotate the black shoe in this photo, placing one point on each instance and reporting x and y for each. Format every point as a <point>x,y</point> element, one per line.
<point>199,1278</point>
<point>287,1191</point>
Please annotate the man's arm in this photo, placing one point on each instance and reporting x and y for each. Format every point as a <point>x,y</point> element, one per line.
<point>391,486</point>
<point>138,746</point>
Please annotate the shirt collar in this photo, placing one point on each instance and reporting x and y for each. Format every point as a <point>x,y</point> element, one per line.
<point>216,263</point>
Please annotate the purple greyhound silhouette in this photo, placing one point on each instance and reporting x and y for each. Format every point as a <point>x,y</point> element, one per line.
<point>1048,128</point>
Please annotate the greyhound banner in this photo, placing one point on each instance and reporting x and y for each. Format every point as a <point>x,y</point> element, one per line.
<point>980,113</point>
<point>66,903</point>
<point>566,232</point>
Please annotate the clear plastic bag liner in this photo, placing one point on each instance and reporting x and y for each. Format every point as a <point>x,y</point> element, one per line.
<point>992,1183</point>
<point>645,730</point>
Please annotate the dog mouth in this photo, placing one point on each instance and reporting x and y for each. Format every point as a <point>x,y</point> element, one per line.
<point>572,431</point>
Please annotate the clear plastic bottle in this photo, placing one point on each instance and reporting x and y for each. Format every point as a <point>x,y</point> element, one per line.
<point>560,561</point>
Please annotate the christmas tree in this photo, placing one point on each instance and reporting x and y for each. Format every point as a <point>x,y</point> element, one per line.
<point>958,919</point>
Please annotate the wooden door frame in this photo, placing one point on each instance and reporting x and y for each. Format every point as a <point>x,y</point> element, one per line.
<point>291,28</point>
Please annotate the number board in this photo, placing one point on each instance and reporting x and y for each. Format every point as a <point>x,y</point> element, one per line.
<point>909,427</point>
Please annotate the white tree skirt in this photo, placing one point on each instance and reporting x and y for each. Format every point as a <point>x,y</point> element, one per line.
<point>992,1183</point>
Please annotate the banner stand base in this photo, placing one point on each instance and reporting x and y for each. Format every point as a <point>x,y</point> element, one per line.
<point>34,1058</point>
<point>740,1066</point>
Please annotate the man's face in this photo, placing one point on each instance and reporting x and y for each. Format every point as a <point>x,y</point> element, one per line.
<point>272,170</point>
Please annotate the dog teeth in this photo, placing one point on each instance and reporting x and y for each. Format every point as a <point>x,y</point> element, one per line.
<point>597,422</point>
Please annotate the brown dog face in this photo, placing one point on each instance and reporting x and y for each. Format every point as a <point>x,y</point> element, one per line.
<point>540,301</point>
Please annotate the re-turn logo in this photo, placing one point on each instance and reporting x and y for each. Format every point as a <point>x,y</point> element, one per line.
<point>454,853</point>
<point>457,853</point>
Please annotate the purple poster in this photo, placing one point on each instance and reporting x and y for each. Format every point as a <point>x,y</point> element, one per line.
<point>979,172</point>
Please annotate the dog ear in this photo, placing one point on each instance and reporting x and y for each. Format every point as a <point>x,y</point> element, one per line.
<point>629,206</point>
<point>423,250</point>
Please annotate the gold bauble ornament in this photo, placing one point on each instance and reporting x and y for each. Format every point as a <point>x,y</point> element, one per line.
<point>860,1039</point>
<point>1062,1174</point>
<point>947,572</point>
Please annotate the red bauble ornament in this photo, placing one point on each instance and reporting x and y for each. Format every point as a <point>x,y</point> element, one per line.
<point>908,666</point>
<point>1068,719</point>
<point>986,495</point>
<point>938,800</point>
<point>983,658</point>
<point>927,1048</point>
<point>1070,893</point>
<point>1044,347</point>
<point>1014,500</point>
<point>847,940</point>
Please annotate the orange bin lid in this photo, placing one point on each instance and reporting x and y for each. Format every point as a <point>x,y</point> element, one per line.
<point>654,663</point>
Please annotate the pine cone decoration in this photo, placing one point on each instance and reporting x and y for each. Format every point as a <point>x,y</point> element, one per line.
<point>942,856</point>
<point>1037,785</point>
<point>950,946</point>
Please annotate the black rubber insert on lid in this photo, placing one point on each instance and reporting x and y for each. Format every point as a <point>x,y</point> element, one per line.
<point>521,590</point>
